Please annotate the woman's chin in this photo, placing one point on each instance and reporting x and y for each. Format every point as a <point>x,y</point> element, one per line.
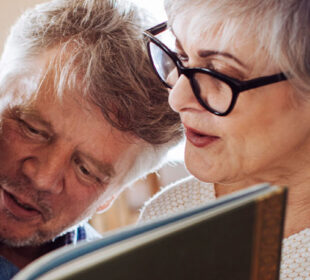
<point>202,165</point>
<point>212,171</point>
<point>199,171</point>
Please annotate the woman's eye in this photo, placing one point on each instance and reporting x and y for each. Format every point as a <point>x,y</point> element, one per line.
<point>210,66</point>
<point>182,57</point>
<point>225,69</point>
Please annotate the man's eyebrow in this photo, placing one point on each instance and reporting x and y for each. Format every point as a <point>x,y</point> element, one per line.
<point>33,115</point>
<point>206,53</point>
<point>105,168</point>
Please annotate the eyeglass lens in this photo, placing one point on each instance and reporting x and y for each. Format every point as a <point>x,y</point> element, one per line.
<point>164,65</point>
<point>213,93</point>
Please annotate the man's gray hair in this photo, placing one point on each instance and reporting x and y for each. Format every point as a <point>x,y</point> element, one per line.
<point>102,55</point>
<point>280,28</point>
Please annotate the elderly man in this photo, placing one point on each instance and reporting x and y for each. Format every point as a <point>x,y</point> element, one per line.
<point>82,115</point>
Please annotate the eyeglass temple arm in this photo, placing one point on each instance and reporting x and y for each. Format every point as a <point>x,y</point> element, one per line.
<point>263,81</point>
<point>157,28</point>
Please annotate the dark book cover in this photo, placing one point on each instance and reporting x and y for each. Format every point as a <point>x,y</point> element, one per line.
<point>237,237</point>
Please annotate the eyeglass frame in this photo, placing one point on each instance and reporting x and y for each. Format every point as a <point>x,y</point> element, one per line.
<point>236,85</point>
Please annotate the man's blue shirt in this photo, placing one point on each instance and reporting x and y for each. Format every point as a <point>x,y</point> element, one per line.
<point>86,232</point>
<point>7,269</point>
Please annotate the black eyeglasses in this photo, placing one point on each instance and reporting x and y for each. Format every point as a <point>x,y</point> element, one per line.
<point>216,92</point>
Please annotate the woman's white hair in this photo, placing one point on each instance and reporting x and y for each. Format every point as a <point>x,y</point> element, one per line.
<point>280,28</point>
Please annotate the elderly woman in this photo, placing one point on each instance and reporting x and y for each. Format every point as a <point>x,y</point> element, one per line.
<point>239,76</point>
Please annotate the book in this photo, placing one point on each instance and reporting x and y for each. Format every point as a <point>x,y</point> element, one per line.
<point>238,236</point>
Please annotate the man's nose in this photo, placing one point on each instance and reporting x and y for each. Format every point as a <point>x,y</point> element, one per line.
<point>46,169</point>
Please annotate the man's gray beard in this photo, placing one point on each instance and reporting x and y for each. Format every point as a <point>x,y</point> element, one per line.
<point>39,237</point>
<point>34,240</point>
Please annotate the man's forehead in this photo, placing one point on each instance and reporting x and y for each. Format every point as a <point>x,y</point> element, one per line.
<point>22,83</point>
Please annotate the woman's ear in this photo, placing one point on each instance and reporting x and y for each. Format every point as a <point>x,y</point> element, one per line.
<point>107,204</point>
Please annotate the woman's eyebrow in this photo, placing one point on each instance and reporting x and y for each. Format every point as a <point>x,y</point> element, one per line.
<point>206,53</point>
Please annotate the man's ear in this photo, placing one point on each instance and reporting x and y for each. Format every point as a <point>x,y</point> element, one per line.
<point>107,204</point>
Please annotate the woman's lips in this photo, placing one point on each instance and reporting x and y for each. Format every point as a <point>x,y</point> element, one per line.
<point>17,208</point>
<point>198,139</point>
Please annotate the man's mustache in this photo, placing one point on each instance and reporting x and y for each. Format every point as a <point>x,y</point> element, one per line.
<point>24,188</point>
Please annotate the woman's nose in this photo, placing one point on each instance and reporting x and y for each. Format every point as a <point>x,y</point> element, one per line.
<point>181,96</point>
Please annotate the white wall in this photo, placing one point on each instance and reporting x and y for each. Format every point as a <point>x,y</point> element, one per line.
<point>156,7</point>
<point>10,10</point>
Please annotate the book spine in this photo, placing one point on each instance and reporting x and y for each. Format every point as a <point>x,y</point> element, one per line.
<point>268,236</point>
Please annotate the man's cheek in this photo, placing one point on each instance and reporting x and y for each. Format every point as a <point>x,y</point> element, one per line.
<point>12,144</point>
<point>10,156</point>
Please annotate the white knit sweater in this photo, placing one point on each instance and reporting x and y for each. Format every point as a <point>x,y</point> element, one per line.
<point>189,193</point>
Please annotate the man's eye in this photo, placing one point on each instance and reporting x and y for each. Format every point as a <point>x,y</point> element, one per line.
<point>81,168</point>
<point>32,132</point>
<point>84,170</point>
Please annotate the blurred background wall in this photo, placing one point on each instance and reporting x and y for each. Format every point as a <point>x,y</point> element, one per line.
<point>11,9</point>
<point>9,12</point>
<point>126,208</point>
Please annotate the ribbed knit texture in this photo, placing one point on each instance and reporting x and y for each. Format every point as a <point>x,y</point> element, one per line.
<point>189,193</point>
